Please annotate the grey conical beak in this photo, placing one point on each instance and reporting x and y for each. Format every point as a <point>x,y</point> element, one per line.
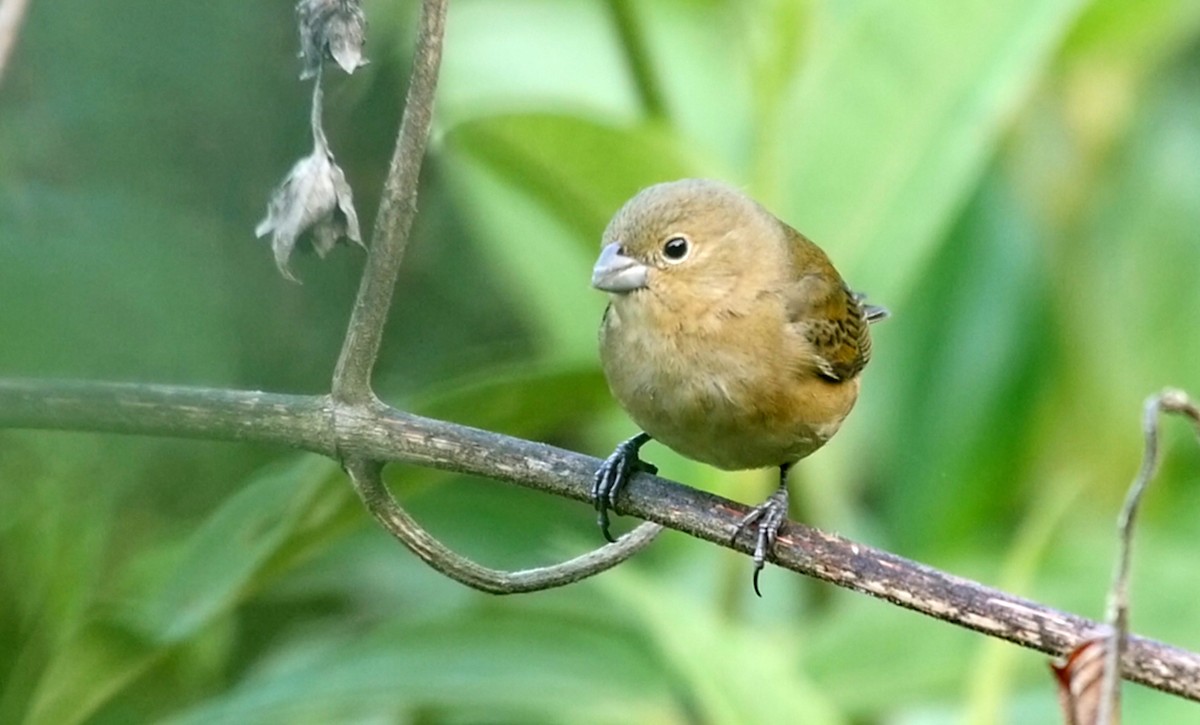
<point>614,272</point>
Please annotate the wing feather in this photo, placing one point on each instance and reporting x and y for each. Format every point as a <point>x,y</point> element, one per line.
<point>830,316</point>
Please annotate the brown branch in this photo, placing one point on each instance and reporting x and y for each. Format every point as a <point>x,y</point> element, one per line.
<point>12,13</point>
<point>397,209</point>
<point>382,433</point>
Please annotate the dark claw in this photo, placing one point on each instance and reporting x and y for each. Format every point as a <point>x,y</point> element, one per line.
<point>769,517</point>
<point>612,476</point>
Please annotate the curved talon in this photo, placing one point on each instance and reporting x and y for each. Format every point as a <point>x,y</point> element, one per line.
<point>612,476</point>
<point>769,517</point>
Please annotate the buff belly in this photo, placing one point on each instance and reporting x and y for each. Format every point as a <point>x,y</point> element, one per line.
<point>719,404</point>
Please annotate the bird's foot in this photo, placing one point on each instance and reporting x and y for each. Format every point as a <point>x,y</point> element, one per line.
<point>767,518</point>
<point>612,476</point>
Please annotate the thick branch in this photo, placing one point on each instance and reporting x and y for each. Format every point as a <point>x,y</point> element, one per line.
<point>382,433</point>
<point>397,209</point>
<point>166,410</point>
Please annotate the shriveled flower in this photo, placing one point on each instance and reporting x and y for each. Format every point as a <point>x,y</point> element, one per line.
<point>315,196</point>
<point>331,29</point>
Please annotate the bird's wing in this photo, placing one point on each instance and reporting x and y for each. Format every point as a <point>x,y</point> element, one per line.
<point>823,309</point>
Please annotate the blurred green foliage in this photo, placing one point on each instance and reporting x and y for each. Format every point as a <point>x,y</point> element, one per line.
<point>1016,179</point>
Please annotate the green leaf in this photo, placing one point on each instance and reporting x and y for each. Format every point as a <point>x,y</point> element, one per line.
<point>539,190</point>
<point>896,112</point>
<point>970,331</point>
<point>240,545</point>
<point>531,401</point>
<point>506,664</point>
<point>543,53</point>
<point>229,554</point>
<point>723,666</point>
<point>1133,34</point>
<point>580,169</point>
<point>93,666</point>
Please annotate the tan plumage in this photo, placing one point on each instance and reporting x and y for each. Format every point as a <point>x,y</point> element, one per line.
<point>743,352</point>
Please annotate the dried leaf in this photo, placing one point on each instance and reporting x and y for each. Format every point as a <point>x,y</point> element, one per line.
<point>1080,681</point>
<point>315,196</point>
<point>334,29</point>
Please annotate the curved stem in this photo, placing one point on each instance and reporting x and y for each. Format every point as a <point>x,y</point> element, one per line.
<point>368,481</point>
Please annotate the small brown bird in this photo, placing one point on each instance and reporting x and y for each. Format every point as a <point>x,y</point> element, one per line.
<point>729,337</point>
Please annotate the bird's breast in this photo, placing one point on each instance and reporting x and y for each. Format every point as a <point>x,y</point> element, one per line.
<point>730,391</point>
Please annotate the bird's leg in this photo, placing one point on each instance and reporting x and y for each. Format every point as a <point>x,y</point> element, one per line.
<point>614,473</point>
<point>769,517</point>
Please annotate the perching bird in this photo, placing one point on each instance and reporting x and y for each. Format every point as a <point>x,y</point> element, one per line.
<point>729,337</point>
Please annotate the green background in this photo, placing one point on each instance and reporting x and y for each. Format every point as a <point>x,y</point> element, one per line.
<point>1018,180</point>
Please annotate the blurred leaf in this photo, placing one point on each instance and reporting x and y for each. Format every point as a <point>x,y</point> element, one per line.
<point>535,53</point>
<point>1134,34</point>
<point>541,188</point>
<point>229,554</point>
<point>120,277</point>
<point>530,401</point>
<point>895,114</point>
<point>103,658</point>
<point>712,59</point>
<point>581,170</point>
<point>535,263</point>
<point>222,562</point>
<point>504,664</point>
<point>978,330</point>
<point>990,681</point>
<point>1132,326</point>
<point>724,666</point>
<point>872,657</point>
<point>58,501</point>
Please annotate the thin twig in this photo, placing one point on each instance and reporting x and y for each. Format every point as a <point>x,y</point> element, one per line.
<point>397,209</point>
<point>369,484</point>
<point>381,433</point>
<point>1168,401</point>
<point>12,13</point>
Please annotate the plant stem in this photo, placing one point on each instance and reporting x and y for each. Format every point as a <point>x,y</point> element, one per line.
<point>393,223</point>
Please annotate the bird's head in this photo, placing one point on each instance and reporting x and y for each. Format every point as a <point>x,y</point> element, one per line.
<point>691,234</point>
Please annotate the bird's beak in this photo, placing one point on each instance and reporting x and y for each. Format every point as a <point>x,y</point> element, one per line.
<point>614,272</point>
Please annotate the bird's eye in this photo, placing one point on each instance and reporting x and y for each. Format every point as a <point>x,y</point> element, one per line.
<point>676,249</point>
